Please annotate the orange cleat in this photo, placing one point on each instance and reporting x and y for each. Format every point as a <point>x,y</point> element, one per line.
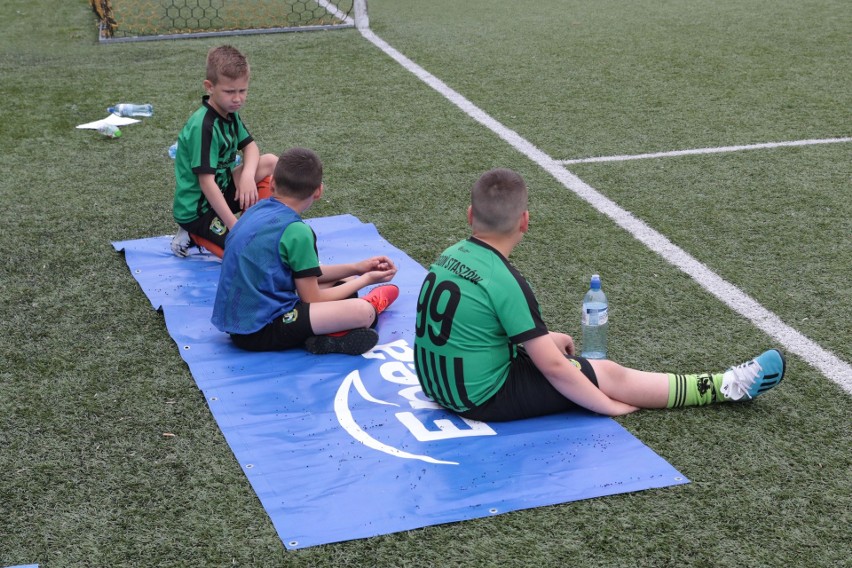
<point>382,296</point>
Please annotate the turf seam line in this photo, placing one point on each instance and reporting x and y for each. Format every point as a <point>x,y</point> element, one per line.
<point>834,368</point>
<point>717,150</point>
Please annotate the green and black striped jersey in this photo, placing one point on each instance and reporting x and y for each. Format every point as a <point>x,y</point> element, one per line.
<point>473,309</point>
<point>208,144</point>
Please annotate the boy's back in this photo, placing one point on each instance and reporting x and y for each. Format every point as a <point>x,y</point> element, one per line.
<point>473,308</point>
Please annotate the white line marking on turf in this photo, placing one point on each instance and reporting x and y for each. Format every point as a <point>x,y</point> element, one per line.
<point>718,150</point>
<point>829,364</point>
<point>334,11</point>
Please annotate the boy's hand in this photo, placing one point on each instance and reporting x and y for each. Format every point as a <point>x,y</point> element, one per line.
<point>564,342</point>
<point>377,270</point>
<point>377,263</point>
<point>247,192</point>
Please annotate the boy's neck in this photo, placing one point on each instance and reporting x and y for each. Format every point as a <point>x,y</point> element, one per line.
<point>504,244</point>
<point>297,205</point>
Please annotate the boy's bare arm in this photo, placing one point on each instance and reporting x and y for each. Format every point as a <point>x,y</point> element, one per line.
<point>309,290</point>
<point>246,185</point>
<point>569,380</point>
<point>216,199</point>
<point>335,272</point>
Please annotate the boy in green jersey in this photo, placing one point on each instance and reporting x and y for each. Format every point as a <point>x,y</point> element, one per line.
<point>209,190</point>
<point>482,350</point>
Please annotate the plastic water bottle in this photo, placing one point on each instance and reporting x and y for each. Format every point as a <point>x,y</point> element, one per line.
<point>129,109</point>
<point>109,130</point>
<point>595,321</point>
<point>174,147</point>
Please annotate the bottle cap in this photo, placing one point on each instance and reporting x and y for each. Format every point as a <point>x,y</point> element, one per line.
<point>596,282</point>
<point>117,133</point>
<point>111,110</point>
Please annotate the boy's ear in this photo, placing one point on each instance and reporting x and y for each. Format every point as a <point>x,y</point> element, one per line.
<point>525,222</point>
<point>318,192</point>
<point>470,215</point>
<point>208,85</point>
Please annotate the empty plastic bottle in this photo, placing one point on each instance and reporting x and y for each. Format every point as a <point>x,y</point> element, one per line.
<point>129,109</point>
<point>595,321</point>
<point>109,130</point>
<point>174,148</point>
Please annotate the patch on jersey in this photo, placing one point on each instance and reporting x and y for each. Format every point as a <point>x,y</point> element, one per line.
<point>575,363</point>
<point>290,316</point>
<point>218,227</point>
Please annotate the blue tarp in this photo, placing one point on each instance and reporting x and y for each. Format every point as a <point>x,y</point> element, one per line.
<point>340,447</point>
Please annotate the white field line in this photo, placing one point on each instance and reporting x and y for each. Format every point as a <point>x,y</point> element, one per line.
<point>826,362</point>
<point>718,150</point>
<point>335,11</point>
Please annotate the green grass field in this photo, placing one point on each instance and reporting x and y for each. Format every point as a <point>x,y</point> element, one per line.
<point>90,379</point>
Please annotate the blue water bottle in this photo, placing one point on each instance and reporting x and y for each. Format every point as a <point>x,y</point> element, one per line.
<point>129,109</point>
<point>595,321</point>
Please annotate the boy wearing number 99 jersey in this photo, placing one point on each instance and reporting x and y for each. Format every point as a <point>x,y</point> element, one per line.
<point>482,350</point>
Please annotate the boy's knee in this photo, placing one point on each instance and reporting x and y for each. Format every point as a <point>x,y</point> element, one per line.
<point>367,313</point>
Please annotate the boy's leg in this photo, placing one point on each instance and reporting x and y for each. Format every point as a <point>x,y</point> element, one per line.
<point>210,246</point>
<point>262,175</point>
<point>285,332</point>
<point>666,390</point>
<point>527,393</point>
<point>209,227</point>
<point>264,189</point>
<point>353,313</point>
<point>345,326</point>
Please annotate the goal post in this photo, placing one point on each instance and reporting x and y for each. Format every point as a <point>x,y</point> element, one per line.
<point>145,20</point>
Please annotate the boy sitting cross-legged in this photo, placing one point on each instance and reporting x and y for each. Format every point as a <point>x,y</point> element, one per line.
<point>272,292</point>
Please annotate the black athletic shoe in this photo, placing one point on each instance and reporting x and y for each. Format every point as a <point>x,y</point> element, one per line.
<point>352,342</point>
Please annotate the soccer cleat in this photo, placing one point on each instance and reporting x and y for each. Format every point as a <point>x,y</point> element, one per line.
<point>352,342</point>
<point>181,243</point>
<point>754,377</point>
<point>382,296</point>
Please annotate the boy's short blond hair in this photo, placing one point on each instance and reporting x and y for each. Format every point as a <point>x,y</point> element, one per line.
<point>498,199</point>
<point>226,61</point>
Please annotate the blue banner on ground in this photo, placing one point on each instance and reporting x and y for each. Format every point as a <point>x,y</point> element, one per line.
<point>340,447</point>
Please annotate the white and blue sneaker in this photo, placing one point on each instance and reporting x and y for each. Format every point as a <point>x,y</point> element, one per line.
<point>754,377</point>
<point>181,242</point>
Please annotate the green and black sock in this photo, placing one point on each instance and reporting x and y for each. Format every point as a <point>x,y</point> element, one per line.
<point>695,390</point>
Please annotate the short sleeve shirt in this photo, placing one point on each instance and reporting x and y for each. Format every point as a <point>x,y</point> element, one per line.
<point>208,144</point>
<point>298,250</point>
<point>473,309</point>
<point>268,248</point>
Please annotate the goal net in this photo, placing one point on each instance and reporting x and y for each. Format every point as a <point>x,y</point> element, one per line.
<point>138,20</point>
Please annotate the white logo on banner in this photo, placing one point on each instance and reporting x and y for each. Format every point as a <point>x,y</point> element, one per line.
<point>398,368</point>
